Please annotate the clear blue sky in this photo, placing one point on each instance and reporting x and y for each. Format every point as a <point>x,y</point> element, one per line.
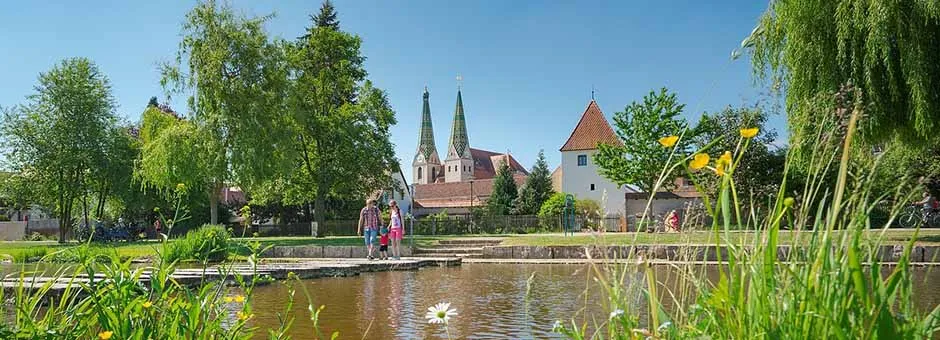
<point>528,66</point>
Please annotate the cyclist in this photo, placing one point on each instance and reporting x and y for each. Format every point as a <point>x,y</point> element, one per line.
<point>927,203</point>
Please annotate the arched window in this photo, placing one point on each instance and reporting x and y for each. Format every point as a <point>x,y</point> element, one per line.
<point>419,172</point>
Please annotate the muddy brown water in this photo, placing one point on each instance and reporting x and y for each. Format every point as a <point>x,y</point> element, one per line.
<point>490,299</point>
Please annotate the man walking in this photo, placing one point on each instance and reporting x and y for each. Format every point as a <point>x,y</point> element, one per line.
<point>369,222</point>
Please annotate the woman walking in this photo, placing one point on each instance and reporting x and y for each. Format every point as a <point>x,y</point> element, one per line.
<point>396,230</point>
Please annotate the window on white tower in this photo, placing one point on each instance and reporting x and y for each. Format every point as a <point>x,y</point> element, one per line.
<point>582,160</point>
<point>592,187</point>
<point>419,172</point>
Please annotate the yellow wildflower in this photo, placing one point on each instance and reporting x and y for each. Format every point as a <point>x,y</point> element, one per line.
<point>228,299</point>
<point>668,141</point>
<point>725,158</point>
<point>700,160</point>
<point>723,163</point>
<point>749,132</point>
<point>243,316</point>
<point>105,335</point>
<point>180,187</point>
<point>788,202</point>
<point>239,298</point>
<point>147,304</point>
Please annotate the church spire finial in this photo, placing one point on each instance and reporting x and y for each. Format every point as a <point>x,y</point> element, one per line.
<point>459,81</point>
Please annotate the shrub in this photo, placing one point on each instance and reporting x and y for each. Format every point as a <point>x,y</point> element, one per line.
<point>30,255</point>
<point>4,218</point>
<point>207,243</point>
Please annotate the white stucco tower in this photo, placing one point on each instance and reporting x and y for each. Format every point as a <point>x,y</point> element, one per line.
<point>580,176</point>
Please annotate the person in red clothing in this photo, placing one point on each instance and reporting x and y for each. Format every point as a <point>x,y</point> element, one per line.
<point>383,244</point>
<point>672,221</point>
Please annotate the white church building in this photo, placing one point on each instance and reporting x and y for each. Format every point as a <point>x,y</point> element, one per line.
<point>578,174</point>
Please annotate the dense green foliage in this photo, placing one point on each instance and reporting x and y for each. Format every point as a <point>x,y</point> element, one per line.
<point>207,243</point>
<point>760,170</point>
<point>639,161</point>
<point>504,191</point>
<point>536,190</point>
<point>237,81</point>
<point>67,144</point>
<point>339,122</point>
<point>889,49</point>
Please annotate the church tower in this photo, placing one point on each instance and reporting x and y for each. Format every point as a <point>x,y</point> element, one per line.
<point>459,164</point>
<point>426,165</point>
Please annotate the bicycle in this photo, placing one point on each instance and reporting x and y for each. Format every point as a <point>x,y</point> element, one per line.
<point>914,216</point>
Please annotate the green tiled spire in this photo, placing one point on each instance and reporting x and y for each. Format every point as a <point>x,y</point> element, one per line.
<point>459,141</point>
<point>427,152</point>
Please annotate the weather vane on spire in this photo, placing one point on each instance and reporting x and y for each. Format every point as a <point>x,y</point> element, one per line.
<point>592,91</point>
<point>459,81</point>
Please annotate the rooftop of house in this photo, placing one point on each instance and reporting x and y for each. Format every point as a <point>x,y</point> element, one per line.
<point>591,130</point>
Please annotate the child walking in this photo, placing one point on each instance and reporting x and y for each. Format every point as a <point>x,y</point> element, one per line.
<point>383,244</point>
<point>396,229</point>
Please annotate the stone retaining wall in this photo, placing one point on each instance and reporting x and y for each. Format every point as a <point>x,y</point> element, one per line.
<point>313,251</point>
<point>888,253</point>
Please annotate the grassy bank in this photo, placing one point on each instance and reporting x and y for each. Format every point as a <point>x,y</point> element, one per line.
<point>895,236</point>
<point>21,251</point>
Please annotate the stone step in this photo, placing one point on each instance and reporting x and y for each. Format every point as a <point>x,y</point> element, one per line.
<point>457,246</point>
<point>469,256</point>
<point>451,251</point>
<point>472,241</point>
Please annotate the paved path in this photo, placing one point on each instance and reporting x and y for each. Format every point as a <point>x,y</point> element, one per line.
<point>278,269</point>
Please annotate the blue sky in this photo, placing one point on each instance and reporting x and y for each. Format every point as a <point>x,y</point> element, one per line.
<point>528,66</point>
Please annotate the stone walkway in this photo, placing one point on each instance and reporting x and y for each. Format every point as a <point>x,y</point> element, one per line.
<point>277,269</point>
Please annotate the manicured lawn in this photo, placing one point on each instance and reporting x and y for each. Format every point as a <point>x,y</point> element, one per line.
<point>893,236</point>
<point>20,249</point>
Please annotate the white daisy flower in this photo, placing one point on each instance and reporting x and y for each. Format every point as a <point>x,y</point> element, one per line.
<point>616,313</point>
<point>440,313</point>
<point>557,327</point>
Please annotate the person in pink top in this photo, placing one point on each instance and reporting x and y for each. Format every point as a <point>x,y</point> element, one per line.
<point>396,229</point>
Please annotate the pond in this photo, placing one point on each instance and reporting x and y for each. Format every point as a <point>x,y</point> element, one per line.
<point>491,301</point>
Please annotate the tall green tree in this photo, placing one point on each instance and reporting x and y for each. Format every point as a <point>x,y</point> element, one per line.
<point>888,49</point>
<point>760,172</point>
<point>536,190</point>
<point>340,122</point>
<point>327,17</point>
<point>504,191</point>
<point>237,79</point>
<point>640,160</point>
<point>59,139</point>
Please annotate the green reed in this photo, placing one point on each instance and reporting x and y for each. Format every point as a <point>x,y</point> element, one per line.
<point>825,284</point>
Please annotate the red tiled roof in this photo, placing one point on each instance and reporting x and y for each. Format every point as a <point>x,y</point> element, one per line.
<point>592,129</point>
<point>483,167</point>
<point>456,194</point>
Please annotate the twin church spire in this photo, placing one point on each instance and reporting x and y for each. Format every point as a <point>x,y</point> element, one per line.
<point>459,163</point>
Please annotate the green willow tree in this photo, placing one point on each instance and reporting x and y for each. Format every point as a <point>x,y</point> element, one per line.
<point>59,140</point>
<point>640,160</point>
<point>237,79</point>
<point>536,190</point>
<point>340,122</point>
<point>889,50</point>
<point>504,191</point>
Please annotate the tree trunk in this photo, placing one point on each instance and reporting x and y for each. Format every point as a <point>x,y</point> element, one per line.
<point>214,203</point>
<point>319,210</point>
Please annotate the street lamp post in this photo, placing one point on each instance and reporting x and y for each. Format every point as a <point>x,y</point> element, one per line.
<point>471,204</point>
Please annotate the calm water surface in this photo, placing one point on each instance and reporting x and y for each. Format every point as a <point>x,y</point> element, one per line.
<point>490,299</point>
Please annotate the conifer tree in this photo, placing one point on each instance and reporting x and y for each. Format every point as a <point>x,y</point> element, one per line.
<point>327,17</point>
<point>504,191</point>
<point>536,190</point>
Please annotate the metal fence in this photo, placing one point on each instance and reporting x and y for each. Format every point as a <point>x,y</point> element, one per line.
<point>508,224</point>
